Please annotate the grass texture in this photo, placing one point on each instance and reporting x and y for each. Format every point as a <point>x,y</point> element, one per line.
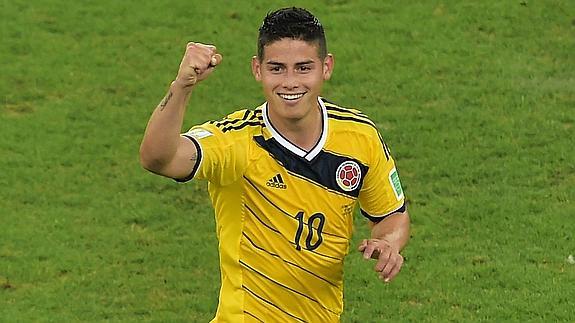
<point>475,99</point>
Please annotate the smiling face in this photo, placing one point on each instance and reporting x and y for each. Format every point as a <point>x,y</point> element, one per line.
<point>292,74</point>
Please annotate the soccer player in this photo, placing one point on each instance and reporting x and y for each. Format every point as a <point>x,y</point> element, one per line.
<point>283,178</point>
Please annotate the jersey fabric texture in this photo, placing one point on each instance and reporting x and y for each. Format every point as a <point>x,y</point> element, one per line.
<point>284,215</point>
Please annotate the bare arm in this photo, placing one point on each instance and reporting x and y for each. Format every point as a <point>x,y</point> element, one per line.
<point>388,238</point>
<point>163,151</point>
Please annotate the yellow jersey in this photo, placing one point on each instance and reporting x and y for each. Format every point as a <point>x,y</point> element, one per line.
<point>284,215</point>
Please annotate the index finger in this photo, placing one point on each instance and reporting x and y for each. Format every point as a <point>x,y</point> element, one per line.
<point>371,251</point>
<point>211,48</point>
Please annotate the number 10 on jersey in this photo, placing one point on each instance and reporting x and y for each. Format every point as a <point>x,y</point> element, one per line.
<point>313,239</point>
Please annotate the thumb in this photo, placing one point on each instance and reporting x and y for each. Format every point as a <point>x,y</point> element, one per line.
<point>362,245</point>
<point>216,60</point>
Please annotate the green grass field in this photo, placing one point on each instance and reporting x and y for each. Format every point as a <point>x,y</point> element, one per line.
<point>475,99</point>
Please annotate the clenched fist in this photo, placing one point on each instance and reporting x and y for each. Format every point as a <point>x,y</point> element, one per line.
<point>198,63</point>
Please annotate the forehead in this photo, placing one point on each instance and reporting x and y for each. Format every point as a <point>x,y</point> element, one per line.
<point>287,50</point>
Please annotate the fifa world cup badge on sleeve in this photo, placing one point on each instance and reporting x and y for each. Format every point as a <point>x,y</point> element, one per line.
<point>395,184</point>
<point>199,133</point>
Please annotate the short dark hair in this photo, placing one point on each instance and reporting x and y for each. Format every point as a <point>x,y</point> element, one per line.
<point>294,23</point>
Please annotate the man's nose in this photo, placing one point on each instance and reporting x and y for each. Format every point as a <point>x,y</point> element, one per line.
<point>290,81</point>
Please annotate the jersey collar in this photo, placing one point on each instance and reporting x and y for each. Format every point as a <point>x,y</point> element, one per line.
<point>308,155</point>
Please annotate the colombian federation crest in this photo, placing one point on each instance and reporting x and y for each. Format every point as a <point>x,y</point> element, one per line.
<point>348,175</point>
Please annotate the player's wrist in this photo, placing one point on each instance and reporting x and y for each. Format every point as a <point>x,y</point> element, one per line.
<point>182,86</point>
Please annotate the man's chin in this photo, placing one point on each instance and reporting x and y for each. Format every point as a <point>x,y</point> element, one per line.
<point>293,113</point>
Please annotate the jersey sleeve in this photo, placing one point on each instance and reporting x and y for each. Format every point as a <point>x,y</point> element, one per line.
<point>381,193</point>
<point>222,156</point>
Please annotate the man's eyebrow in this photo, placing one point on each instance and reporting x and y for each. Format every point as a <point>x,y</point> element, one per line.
<point>305,62</point>
<point>275,63</point>
<point>282,64</point>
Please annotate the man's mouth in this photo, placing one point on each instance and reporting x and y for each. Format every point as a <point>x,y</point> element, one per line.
<point>291,97</point>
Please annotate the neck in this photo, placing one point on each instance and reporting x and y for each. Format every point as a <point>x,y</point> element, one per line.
<point>303,132</point>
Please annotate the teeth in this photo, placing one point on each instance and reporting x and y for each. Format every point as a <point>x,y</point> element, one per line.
<point>291,96</point>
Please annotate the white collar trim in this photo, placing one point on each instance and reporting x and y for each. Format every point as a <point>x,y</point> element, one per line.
<point>290,146</point>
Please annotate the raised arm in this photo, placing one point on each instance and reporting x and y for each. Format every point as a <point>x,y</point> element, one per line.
<point>163,151</point>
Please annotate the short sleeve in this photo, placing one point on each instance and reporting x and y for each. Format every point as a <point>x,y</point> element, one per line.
<point>222,156</point>
<point>381,193</point>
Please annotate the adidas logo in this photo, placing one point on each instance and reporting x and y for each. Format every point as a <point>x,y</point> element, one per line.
<point>277,182</point>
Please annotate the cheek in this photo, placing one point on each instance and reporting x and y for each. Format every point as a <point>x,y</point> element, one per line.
<point>314,81</point>
<point>269,85</point>
<point>271,82</point>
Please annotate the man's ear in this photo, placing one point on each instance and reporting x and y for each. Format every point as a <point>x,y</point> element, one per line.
<point>256,68</point>
<point>328,63</point>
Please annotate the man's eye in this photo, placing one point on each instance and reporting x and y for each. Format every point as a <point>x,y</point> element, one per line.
<point>305,68</point>
<point>275,68</point>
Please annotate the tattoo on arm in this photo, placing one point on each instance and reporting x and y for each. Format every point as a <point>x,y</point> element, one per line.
<point>166,100</point>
